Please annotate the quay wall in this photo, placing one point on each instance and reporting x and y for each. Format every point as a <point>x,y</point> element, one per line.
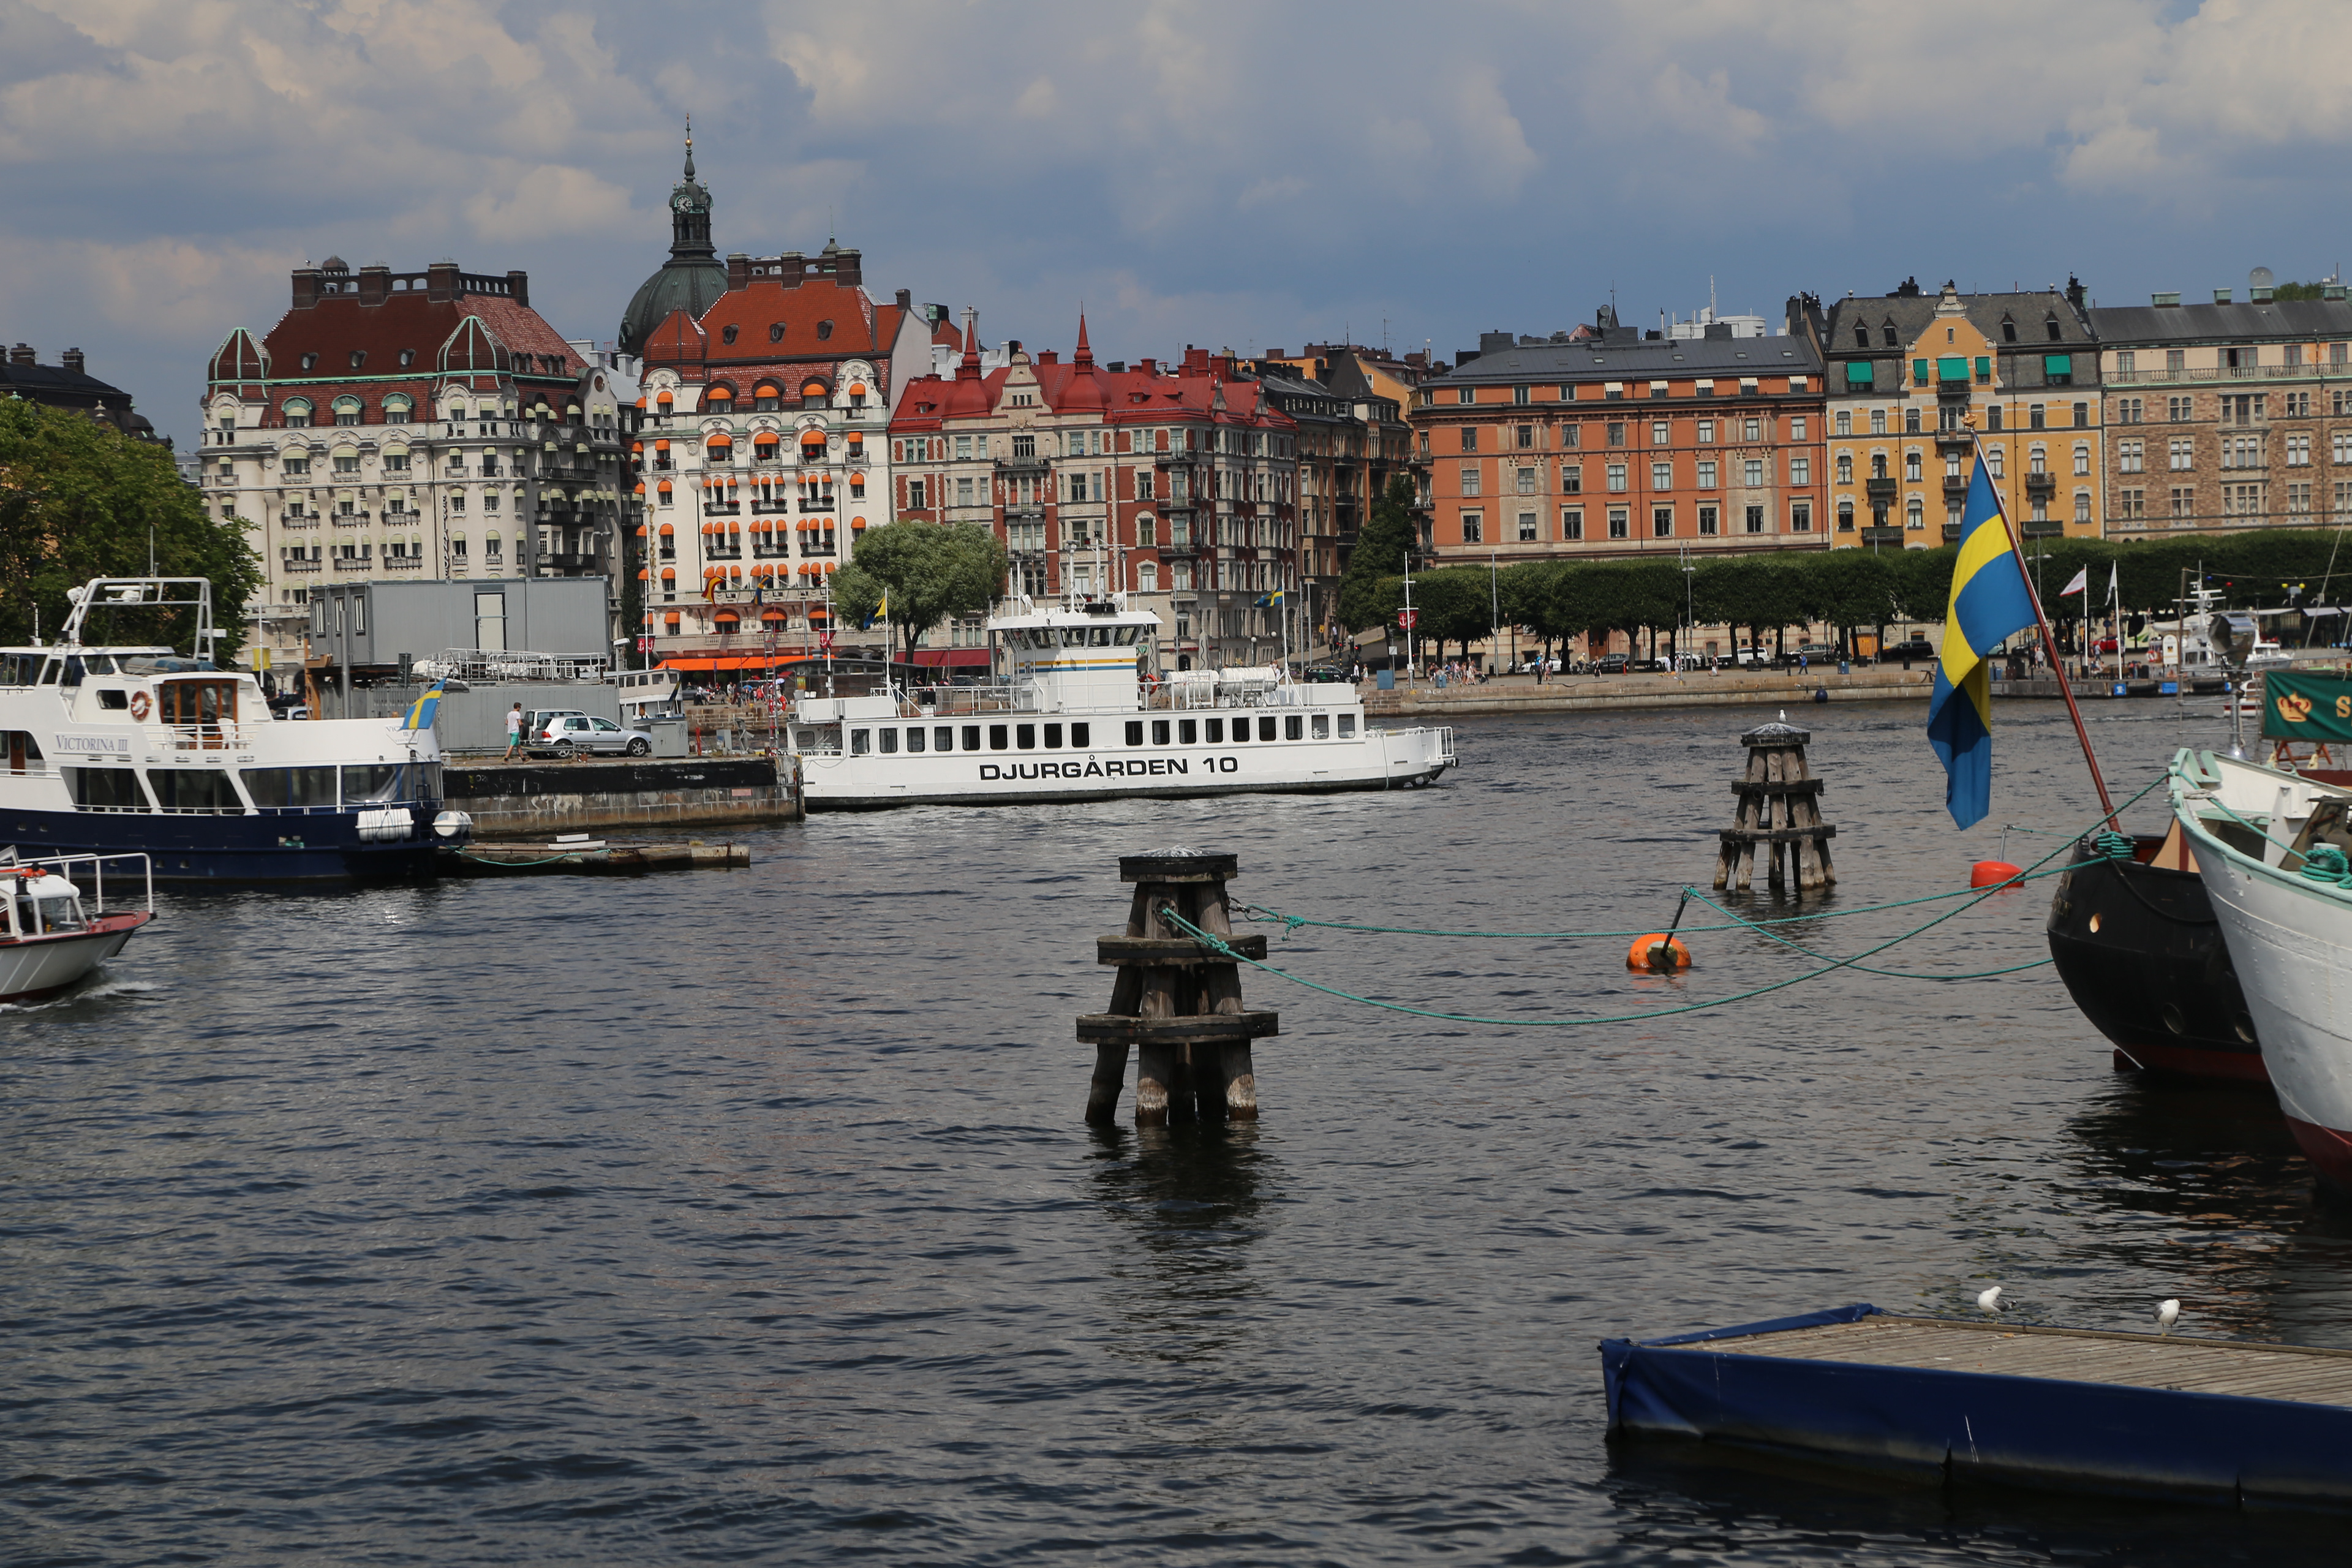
<point>539,800</point>
<point>1721,688</point>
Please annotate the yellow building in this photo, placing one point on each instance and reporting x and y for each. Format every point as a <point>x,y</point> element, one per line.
<point>1919,384</point>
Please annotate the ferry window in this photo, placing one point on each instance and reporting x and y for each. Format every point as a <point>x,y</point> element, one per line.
<point>1294,728</point>
<point>98,663</point>
<point>889,742</point>
<point>195,789</point>
<point>1216,730</point>
<point>1099,636</point>
<point>23,750</point>
<point>50,673</point>
<point>861,741</point>
<point>997,737</point>
<point>1127,636</point>
<point>369,783</point>
<point>1159,732</point>
<point>114,699</point>
<point>914,737</point>
<point>943,738</point>
<point>1187,733</point>
<point>1347,726</point>
<point>1241,730</point>
<point>972,737</point>
<point>1135,732</point>
<point>1081,734</point>
<point>1265,728</point>
<point>290,789</point>
<point>1073,637</point>
<point>1052,737</point>
<point>1024,736</point>
<point>106,789</point>
<point>1322,728</point>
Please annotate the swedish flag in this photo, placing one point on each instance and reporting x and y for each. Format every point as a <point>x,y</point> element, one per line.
<point>1990,602</point>
<point>420,714</point>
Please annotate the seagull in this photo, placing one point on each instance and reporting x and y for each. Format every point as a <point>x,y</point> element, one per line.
<point>1989,1302</point>
<point>2166,1314</point>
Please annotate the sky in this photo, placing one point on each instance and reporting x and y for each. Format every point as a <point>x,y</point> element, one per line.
<point>1251,175</point>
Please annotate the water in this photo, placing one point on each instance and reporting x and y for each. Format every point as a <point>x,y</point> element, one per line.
<point>750,1217</point>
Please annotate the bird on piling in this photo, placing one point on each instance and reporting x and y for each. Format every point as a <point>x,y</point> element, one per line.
<point>1989,1302</point>
<point>2168,1312</point>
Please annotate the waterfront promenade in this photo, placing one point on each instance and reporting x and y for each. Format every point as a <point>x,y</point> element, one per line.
<point>1695,689</point>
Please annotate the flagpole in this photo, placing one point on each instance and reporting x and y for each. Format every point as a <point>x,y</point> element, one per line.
<point>2049,646</point>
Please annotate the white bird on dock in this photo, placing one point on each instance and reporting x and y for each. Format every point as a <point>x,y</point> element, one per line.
<point>1989,1302</point>
<point>2166,1314</point>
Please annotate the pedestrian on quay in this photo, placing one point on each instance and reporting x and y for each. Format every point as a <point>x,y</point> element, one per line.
<point>514,730</point>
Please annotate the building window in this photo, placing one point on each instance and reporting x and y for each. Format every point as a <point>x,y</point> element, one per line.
<point>2298,450</point>
<point>1572,479</point>
<point>1570,436</point>
<point>1801,470</point>
<point>1800,516</point>
<point>2033,416</point>
<point>2082,506</point>
<point>1466,394</point>
<point>1526,481</point>
<point>2183,454</point>
<point>1662,475</point>
<point>1707,473</point>
<point>2128,456</point>
<point>1620,522</point>
<point>1526,438</point>
<point>1662,522</point>
<point>1846,421</point>
<point>916,500</point>
<point>1469,481</point>
<point>1914,515</point>
<point>1616,479</point>
<point>1571,522</point>
<point>1024,446</point>
<point>1469,437</point>
<point>1661,433</point>
<point>1473,528</point>
<point>1752,471</point>
<point>1709,522</point>
<point>1878,421</point>
<point>1706,431</point>
<point>1845,517</point>
<point>963,492</point>
<point>1526,528</point>
<point>1993,417</point>
<point>1616,432</point>
<point>1845,467</point>
<point>2179,410</point>
<point>2082,459</point>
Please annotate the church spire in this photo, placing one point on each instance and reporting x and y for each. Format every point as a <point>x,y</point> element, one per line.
<point>690,210</point>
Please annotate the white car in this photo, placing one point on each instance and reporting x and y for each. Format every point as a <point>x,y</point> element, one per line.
<point>582,732</point>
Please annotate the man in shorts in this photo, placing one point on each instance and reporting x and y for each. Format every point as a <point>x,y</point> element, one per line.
<point>514,730</point>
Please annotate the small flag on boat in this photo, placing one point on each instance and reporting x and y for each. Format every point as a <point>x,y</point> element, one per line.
<point>1990,601</point>
<point>420,715</point>
<point>2076,583</point>
<point>881,613</point>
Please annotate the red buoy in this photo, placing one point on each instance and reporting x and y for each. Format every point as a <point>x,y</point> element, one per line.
<point>1995,874</point>
<point>1659,952</point>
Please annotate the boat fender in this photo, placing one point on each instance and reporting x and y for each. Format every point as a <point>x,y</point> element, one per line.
<point>138,705</point>
<point>1658,951</point>
<point>1995,874</point>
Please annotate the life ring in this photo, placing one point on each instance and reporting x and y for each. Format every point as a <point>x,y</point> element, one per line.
<point>138,705</point>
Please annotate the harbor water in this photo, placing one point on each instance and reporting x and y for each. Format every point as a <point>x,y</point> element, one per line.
<point>749,1216</point>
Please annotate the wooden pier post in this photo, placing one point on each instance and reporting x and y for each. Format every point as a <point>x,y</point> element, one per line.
<point>1177,1002</point>
<point>1779,810</point>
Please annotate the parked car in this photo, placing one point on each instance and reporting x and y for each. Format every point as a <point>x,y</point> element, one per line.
<point>1325,674</point>
<point>1613,664</point>
<point>1917,649</point>
<point>1813,653</point>
<point>535,721</point>
<point>580,732</point>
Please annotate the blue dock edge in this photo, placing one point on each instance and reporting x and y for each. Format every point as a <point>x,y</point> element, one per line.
<point>2047,1434</point>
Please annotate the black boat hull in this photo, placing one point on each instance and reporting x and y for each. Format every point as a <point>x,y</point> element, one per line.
<point>2142,954</point>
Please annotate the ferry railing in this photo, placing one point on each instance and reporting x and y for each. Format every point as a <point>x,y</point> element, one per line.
<point>63,866</point>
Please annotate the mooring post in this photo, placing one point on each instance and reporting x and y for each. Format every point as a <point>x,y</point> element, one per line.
<point>1176,1000</point>
<point>1780,811</point>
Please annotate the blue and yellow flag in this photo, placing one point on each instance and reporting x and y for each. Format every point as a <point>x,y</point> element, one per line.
<point>420,715</point>
<point>1990,602</point>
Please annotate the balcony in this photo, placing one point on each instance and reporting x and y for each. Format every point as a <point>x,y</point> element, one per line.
<point>770,507</point>
<point>2040,528</point>
<point>1948,442</point>
<point>1879,489</point>
<point>721,508</point>
<point>820,504</point>
<point>404,562</point>
<point>771,553</point>
<point>721,553</point>
<point>572,561</point>
<point>352,562</point>
<point>1951,534</point>
<point>1953,391</point>
<point>2045,484</point>
<point>298,519</point>
<point>1955,486</point>
<point>1883,536</point>
<point>299,565</point>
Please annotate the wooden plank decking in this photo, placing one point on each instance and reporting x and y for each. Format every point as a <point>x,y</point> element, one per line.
<point>2181,1364</point>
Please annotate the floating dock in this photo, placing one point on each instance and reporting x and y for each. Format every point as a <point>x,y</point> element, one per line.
<point>535,800</point>
<point>2211,1421</point>
<point>585,858</point>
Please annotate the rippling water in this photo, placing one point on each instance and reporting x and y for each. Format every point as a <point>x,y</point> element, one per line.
<point>750,1215</point>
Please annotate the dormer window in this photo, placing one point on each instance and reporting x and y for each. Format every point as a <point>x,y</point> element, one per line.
<point>2052,322</point>
<point>358,358</point>
<point>824,331</point>
<point>775,331</point>
<point>2008,331</point>
<point>726,334</point>
<point>407,357</point>
<point>1889,332</point>
<point>310,361</point>
<point>1861,336</point>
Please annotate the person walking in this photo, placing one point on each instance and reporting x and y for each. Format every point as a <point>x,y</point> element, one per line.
<point>514,730</point>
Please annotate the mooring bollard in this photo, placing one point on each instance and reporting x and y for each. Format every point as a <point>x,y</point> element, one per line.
<point>1176,1001</point>
<point>1779,808</point>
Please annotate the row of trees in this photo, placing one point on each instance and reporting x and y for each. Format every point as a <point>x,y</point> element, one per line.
<point>1761,595</point>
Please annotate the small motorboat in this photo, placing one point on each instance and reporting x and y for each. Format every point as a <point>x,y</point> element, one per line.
<point>49,937</point>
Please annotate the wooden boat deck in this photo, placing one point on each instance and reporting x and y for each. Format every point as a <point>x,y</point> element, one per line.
<point>2177,1364</point>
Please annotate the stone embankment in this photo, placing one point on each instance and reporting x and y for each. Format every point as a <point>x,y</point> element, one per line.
<point>542,799</point>
<point>1696,689</point>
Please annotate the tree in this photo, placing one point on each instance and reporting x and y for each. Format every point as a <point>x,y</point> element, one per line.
<point>1454,605</point>
<point>1380,553</point>
<point>929,572</point>
<point>79,500</point>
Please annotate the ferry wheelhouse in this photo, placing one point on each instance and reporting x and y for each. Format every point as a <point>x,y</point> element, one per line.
<point>123,748</point>
<point>1081,715</point>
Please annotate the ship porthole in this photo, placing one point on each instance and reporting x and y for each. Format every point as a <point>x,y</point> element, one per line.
<point>2245,1029</point>
<point>2173,1020</point>
<point>2094,925</point>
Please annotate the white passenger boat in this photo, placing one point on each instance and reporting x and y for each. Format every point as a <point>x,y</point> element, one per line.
<point>2271,850</point>
<point>53,931</point>
<point>1080,715</point>
<point>113,748</point>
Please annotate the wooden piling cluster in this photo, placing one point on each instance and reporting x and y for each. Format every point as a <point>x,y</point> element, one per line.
<point>1780,813</point>
<point>1176,1002</point>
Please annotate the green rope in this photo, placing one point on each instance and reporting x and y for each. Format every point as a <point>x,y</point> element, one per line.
<point>1261,915</point>
<point>2326,863</point>
<point>1759,929</point>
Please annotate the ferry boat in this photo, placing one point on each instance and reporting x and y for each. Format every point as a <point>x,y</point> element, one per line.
<point>131,747</point>
<point>2270,849</point>
<point>49,937</point>
<point>1083,717</point>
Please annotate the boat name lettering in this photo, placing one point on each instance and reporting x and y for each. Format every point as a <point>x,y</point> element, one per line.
<point>108,745</point>
<point>1116,768</point>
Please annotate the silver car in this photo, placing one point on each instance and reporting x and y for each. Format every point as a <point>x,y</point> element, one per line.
<point>575,732</point>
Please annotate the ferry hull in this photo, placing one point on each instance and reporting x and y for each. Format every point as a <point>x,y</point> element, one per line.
<point>1409,760</point>
<point>38,967</point>
<point>324,847</point>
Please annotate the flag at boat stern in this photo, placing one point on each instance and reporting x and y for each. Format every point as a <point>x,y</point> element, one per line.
<point>421,713</point>
<point>1990,602</point>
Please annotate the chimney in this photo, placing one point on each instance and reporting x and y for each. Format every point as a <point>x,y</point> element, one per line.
<point>906,299</point>
<point>441,282</point>
<point>1148,366</point>
<point>793,266</point>
<point>21,355</point>
<point>739,271</point>
<point>375,284</point>
<point>848,269</point>
<point>305,288</point>
<point>518,285</point>
<point>71,360</point>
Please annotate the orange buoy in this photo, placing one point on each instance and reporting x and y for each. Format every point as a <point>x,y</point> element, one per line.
<point>1658,951</point>
<point>1995,873</point>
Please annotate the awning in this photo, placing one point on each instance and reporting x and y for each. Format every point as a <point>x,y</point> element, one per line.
<point>856,389</point>
<point>950,658</point>
<point>668,531</point>
<point>662,446</point>
<point>721,439</point>
<point>719,395</point>
<point>727,661</point>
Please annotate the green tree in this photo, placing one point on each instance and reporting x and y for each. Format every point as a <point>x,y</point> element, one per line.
<point>927,572</point>
<point>80,500</point>
<point>1454,605</point>
<point>1379,553</point>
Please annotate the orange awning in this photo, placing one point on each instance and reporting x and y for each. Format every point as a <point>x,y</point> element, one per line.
<point>668,531</point>
<point>662,446</point>
<point>721,439</point>
<point>720,394</point>
<point>856,389</point>
<point>692,665</point>
<point>640,486</point>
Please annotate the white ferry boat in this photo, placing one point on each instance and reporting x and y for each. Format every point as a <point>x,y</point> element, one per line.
<point>1082,718</point>
<point>50,934</point>
<point>127,747</point>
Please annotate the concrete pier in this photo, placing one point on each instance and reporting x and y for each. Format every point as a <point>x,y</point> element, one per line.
<point>540,800</point>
